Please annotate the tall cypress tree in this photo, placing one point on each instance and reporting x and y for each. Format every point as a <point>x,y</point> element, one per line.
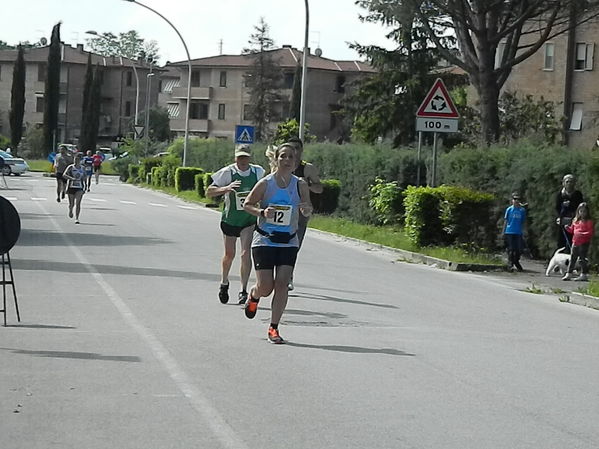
<point>296,94</point>
<point>84,144</point>
<point>52,90</point>
<point>17,100</point>
<point>94,109</point>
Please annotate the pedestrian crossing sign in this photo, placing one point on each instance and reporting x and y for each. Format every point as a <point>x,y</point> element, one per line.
<point>244,134</point>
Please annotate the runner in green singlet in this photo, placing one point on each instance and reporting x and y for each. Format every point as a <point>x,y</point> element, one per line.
<point>235,182</point>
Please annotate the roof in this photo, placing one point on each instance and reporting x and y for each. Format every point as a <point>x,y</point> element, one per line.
<point>288,57</point>
<point>72,55</point>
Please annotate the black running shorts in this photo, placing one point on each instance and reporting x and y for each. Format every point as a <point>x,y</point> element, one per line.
<point>232,231</point>
<point>268,257</point>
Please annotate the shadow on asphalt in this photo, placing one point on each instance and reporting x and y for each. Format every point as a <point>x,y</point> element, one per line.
<point>75,355</point>
<point>50,238</point>
<point>40,326</point>
<point>67,267</point>
<point>343,300</point>
<point>352,349</point>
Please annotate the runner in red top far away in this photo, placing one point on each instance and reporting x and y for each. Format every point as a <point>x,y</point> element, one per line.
<point>98,158</point>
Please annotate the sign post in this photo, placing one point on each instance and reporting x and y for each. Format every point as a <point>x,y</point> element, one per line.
<point>436,114</point>
<point>244,134</point>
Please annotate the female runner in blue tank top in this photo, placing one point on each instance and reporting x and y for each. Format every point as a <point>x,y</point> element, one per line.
<point>277,200</point>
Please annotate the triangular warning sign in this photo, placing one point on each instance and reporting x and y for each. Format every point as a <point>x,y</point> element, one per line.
<point>139,131</point>
<point>438,103</point>
<point>245,137</point>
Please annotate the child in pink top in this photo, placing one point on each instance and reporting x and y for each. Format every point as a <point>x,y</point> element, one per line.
<point>582,229</point>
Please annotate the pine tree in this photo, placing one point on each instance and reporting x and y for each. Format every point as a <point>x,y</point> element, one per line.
<point>263,79</point>
<point>94,109</point>
<point>52,90</point>
<point>17,100</point>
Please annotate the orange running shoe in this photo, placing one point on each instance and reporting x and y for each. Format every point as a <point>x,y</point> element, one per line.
<point>274,337</point>
<point>251,307</point>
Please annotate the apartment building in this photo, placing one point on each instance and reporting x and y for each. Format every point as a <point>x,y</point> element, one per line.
<point>564,71</point>
<point>220,99</point>
<point>118,90</point>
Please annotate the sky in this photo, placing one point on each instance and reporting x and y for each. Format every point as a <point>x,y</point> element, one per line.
<point>202,24</point>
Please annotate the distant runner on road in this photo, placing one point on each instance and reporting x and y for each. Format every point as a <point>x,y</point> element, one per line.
<point>98,158</point>
<point>61,162</point>
<point>235,182</point>
<point>88,165</point>
<point>77,182</point>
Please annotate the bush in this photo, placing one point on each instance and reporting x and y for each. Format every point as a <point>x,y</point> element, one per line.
<point>328,200</point>
<point>185,178</point>
<point>146,166</point>
<point>133,173</point>
<point>423,224</point>
<point>199,185</point>
<point>386,200</point>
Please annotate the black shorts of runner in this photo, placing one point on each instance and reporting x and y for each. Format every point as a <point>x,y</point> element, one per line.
<point>232,231</point>
<point>73,191</point>
<point>268,257</point>
<point>97,168</point>
<point>59,178</point>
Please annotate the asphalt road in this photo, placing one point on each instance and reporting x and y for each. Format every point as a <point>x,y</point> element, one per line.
<point>124,344</point>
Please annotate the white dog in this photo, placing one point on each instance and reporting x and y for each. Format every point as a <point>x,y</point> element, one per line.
<point>559,262</point>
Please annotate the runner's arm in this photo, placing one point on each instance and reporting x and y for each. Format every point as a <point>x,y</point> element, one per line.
<point>305,206</point>
<point>252,201</point>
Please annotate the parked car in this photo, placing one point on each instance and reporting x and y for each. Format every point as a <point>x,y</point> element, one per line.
<point>14,165</point>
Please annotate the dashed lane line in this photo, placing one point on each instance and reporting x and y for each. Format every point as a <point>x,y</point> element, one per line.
<point>157,205</point>
<point>127,202</point>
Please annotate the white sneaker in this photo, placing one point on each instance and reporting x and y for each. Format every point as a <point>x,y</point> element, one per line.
<point>567,277</point>
<point>582,277</point>
<point>290,286</point>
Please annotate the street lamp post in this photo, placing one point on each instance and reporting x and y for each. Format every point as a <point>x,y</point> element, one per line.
<point>304,75</point>
<point>98,35</point>
<point>147,118</point>
<point>188,76</point>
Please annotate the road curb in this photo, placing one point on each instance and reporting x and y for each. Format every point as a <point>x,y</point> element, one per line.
<point>582,299</point>
<point>409,256</point>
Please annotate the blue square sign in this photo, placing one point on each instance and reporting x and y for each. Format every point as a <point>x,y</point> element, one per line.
<point>244,134</point>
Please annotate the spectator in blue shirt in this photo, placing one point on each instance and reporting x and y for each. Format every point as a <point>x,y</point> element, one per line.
<point>514,219</point>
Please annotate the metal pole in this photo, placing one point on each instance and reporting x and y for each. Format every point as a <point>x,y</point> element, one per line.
<point>304,74</point>
<point>188,76</point>
<point>147,118</point>
<point>136,94</point>
<point>434,175</point>
<point>418,158</point>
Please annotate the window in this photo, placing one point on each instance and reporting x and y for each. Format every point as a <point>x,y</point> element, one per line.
<point>499,54</point>
<point>127,109</point>
<point>195,78</point>
<point>223,79</point>
<point>576,122</point>
<point>198,110</point>
<point>39,104</point>
<point>584,56</point>
<point>41,72</point>
<point>288,81</point>
<point>549,56</point>
<point>129,80</point>
<point>246,112</point>
<point>221,111</point>
<point>340,84</point>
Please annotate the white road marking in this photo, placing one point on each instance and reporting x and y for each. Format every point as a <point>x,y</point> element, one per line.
<point>127,202</point>
<point>157,205</point>
<point>188,207</point>
<point>222,431</point>
<point>97,200</point>
<point>11,198</point>
<point>33,198</point>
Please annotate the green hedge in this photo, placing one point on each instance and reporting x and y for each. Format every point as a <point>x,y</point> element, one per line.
<point>185,178</point>
<point>198,181</point>
<point>449,215</point>
<point>146,166</point>
<point>327,201</point>
<point>133,172</point>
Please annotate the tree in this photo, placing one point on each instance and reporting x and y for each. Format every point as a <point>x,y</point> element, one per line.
<point>385,103</point>
<point>160,124</point>
<point>263,78</point>
<point>129,45</point>
<point>17,100</point>
<point>85,137</point>
<point>296,95</point>
<point>94,109</point>
<point>52,90</point>
<point>520,26</point>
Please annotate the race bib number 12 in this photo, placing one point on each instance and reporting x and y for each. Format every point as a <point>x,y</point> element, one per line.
<point>282,215</point>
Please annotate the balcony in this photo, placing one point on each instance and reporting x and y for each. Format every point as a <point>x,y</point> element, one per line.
<point>199,126</point>
<point>197,93</point>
